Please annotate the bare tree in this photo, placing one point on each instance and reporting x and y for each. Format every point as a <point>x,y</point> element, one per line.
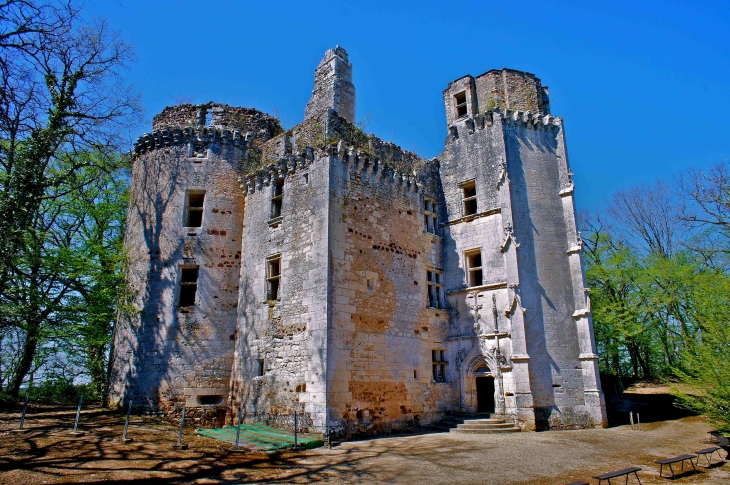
<point>709,192</point>
<point>648,218</point>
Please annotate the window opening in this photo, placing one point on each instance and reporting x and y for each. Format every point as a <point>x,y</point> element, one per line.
<point>439,365</point>
<point>209,400</point>
<point>195,209</point>
<point>415,374</point>
<point>460,102</point>
<point>474,268</point>
<point>435,289</point>
<point>430,217</point>
<point>188,285</point>
<point>277,196</point>
<point>208,117</point>
<point>273,277</point>
<point>260,367</point>
<point>371,284</point>
<point>469,198</point>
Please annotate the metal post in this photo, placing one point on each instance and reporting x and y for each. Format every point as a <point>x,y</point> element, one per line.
<point>295,429</point>
<point>78,413</point>
<point>638,421</point>
<point>238,428</point>
<point>126,423</point>
<point>182,424</point>
<point>25,406</point>
<point>631,420</point>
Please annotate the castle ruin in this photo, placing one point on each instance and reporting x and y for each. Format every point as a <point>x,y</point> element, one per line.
<point>325,271</point>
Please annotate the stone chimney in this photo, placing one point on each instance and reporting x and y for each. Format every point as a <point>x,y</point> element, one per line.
<point>333,86</point>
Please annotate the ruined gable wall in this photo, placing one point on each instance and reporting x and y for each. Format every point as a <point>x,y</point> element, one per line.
<point>510,89</point>
<point>288,334</point>
<point>166,356</point>
<point>380,334</point>
<point>333,88</point>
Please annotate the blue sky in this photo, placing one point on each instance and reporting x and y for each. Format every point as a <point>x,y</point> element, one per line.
<point>644,87</point>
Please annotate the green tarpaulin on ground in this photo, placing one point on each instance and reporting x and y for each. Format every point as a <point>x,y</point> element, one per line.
<point>262,437</point>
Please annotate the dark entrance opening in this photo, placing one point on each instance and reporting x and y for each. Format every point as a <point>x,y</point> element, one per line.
<point>485,394</point>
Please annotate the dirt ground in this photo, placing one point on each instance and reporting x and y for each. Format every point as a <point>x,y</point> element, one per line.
<point>47,453</point>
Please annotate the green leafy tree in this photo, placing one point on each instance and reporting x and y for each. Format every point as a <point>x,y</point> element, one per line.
<point>64,108</point>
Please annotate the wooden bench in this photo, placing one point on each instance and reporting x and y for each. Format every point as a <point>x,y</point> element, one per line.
<point>676,459</point>
<point>707,453</point>
<point>626,471</point>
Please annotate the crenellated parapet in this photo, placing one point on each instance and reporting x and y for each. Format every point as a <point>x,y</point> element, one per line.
<point>523,119</point>
<point>176,136</point>
<point>356,160</point>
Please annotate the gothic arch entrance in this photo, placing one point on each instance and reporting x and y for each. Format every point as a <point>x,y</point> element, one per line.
<point>485,394</point>
<point>480,386</point>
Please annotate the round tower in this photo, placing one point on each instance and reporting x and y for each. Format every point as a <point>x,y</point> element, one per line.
<point>174,341</point>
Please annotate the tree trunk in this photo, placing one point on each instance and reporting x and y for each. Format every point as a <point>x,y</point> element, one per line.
<point>26,360</point>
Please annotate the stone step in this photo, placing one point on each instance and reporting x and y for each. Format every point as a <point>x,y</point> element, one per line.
<point>512,429</point>
<point>485,426</point>
<point>484,421</point>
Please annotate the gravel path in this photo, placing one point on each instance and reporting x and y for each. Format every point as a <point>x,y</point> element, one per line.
<point>47,454</point>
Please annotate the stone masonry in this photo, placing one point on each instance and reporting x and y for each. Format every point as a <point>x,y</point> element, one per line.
<point>324,271</point>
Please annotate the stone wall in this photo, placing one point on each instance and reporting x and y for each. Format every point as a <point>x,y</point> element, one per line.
<point>497,89</point>
<point>381,334</point>
<point>288,333</point>
<point>168,355</point>
<point>261,126</point>
<point>165,354</point>
<point>333,88</point>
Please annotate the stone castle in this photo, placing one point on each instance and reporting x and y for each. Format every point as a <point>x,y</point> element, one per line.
<point>324,271</point>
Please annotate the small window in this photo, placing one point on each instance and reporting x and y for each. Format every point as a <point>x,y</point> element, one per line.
<point>430,216</point>
<point>277,196</point>
<point>474,268</point>
<point>188,285</point>
<point>260,370</point>
<point>460,103</point>
<point>439,365</point>
<point>210,400</point>
<point>415,374</point>
<point>194,216</point>
<point>435,289</point>
<point>469,198</point>
<point>273,277</point>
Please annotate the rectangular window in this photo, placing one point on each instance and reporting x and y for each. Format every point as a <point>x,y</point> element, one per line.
<point>188,285</point>
<point>273,277</point>
<point>194,216</point>
<point>277,196</point>
<point>260,367</point>
<point>430,216</point>
<point>474,268</point>
<point>469,197</point>
<point>439,365</point>
<point>435,289</point>
<point>460,104</point>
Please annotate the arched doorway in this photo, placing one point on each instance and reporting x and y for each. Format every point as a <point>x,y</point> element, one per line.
<point>485,394</point>
<point>483,386</point>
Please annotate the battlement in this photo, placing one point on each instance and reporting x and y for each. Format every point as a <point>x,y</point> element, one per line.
<point>173,136</point>
<point>527,119</point>
<point>354,158</point>
<point>207,123</point>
